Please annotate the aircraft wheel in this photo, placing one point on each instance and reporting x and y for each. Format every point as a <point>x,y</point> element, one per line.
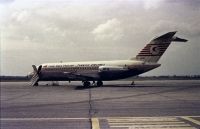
<point>99,83</point>
<point>86,84</point>
<point>93,84</point>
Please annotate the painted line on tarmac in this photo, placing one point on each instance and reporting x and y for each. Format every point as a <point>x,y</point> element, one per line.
<point>154,127</point>
<point>146,123</point>
<point>149,117</point>
<point>168,122</point>
<point>118,118</point>
<point>191,120</point>
<point>40,119</point>
<point>95,123</point>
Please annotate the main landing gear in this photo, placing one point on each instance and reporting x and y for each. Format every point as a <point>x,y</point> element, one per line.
<point>87,83</point>
<point>99,83</point>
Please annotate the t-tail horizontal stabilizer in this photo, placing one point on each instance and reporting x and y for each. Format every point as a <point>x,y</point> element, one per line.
<point>177,39</point>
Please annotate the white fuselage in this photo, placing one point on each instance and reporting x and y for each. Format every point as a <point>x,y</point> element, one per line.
<point>94,70</point>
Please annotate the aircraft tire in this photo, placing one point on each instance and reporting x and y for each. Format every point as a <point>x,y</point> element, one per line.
<point>99,83</point>
<point>86,84</point>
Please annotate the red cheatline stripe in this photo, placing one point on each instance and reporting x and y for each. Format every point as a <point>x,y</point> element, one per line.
<point>145,51</point>
<point>146,47</point>
<point>158,44</point>
<point>150,52</point>
<point>149,55</point>
<point>155,46</point>
<point>163,50</point>
<point>145,54</point>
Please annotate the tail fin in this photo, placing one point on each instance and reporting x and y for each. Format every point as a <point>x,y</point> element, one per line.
<point>155,49</point>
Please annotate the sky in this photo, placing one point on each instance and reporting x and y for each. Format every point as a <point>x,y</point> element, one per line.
<point>36,32</point>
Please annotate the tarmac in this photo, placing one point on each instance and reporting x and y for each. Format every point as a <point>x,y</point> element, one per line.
<point>157,104</point>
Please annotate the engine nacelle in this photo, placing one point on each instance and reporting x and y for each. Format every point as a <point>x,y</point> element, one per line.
<point>111,68</point>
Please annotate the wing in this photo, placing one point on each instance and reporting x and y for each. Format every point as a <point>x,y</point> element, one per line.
<point>82,76</point>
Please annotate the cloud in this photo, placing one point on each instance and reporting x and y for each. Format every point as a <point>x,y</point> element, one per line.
<point>191,29</point>
<point>6,1</point>
<point>152,4</point>
<point>20,16</point>
<point>47,25</point>
<point>110,30</point>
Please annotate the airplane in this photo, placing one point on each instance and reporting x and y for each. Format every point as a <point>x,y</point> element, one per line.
<point>99,71</point>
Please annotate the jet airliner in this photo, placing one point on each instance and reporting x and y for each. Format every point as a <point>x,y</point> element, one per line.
<point>99,71</point>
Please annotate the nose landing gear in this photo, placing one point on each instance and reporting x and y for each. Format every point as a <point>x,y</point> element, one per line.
<point>99,83</point>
